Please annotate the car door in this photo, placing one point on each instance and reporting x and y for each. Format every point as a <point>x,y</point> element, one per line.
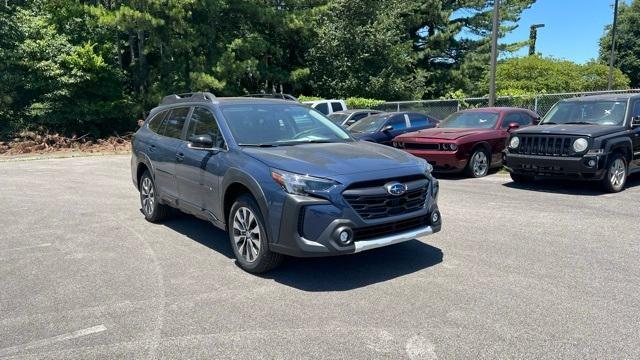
<point>399,125</point>
<point>196,169</point>
<point>635,133</point>
<point>170,138</point>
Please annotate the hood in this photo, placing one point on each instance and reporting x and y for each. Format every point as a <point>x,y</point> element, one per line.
<point>443,133</point>
<point>327,160</point>
<point>579,130</point>
<point>361,135</point>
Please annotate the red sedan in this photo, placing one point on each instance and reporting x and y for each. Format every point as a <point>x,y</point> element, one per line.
<point>471,140</point>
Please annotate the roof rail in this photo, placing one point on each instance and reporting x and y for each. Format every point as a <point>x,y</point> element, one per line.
<point>187,97</point>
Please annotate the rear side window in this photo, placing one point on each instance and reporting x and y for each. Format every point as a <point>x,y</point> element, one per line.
<point>203,122</point>
<point>323,108</point>
<point>418,120</point>
<point>156,121</point>
<point>175,122</point>
<point>336,106</point>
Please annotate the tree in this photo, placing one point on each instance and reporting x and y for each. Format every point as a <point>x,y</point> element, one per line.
<point>534,75</point>
<point>627,42</point>
<point>452,40</point>
<point>362,49</point>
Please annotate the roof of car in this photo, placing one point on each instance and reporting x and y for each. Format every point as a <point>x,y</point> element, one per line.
<point>496,109</point>
<point>613,97</point>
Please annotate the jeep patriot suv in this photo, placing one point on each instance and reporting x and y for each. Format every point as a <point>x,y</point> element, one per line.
<point>280,178</point>
<point>588,138</point>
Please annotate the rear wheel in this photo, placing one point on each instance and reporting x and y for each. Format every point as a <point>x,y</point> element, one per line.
<point>479,163</point>
<point>151,208</point>
<point>521,179</point>
<point>249,238</point>
<point>616,176</point>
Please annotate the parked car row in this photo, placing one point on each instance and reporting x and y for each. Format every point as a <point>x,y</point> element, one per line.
<point>283,179</point>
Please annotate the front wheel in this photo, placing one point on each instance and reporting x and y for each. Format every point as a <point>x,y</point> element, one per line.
<point>478,165</point>
<point>249,238</point>
<point>616,176</point>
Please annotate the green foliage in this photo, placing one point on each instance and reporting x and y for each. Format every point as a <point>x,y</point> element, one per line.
<point>303,98</point>
<point>534,75</point>
<point>627,42</point>
<point>362,103</point>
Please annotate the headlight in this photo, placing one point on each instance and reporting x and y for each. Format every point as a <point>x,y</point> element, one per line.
<point>449,147</point>
<point>514,143</point>
<point>580,145</point>
<point>301,184</point>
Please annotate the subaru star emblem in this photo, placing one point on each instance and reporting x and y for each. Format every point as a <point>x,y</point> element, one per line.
<point>396,188</point>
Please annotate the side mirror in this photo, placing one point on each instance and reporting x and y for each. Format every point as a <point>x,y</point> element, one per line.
<point>513,126</point>
<point>140,123</point>
<point>537,120</point>
<point>204,142</point>
<point>387,128</point>
<point>635,121</point>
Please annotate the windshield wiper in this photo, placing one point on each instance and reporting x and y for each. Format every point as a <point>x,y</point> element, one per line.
<point>259,145</point>
<point>548,123</point>
<point>579,123</point>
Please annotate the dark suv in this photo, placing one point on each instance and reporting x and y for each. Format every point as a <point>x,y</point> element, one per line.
<point>589,138</point>
<point>280,177</point>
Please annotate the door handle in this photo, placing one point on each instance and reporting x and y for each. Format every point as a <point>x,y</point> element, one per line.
<point>180,156</point>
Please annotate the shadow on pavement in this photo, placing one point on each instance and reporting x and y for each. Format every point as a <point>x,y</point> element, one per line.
<point>569,187</point>
<point>349,272</point>
<point>338,273</point>
<point>202,232</point>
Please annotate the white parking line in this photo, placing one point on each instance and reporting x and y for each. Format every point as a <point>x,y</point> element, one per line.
<point>45,342</point>
<point>25,247</point>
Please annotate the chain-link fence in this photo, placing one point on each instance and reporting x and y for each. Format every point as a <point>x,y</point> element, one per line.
<point>440,109</point>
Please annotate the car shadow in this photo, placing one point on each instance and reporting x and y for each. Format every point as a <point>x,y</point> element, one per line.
<point>569,187</point>
<point>201,231</point>
<point>461,175</point>
<point>340,273</point>
<point>348,272</point>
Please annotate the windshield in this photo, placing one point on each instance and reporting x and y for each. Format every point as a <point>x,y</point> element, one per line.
<point>470,120</point>
<point>605,112</point>
<point>338,118</point>
<point>280,124</point>
<point>368,124</point>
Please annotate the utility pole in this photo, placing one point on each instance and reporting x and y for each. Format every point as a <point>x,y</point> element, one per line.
<point>533,37</point>
<point>613,45</point>
<point>494,53</point>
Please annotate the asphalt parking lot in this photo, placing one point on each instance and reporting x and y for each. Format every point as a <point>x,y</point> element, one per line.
<point>549,271</point>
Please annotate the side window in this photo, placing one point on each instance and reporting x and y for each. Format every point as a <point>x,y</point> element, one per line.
<point>636,109</point>
<point>323,108</point>
<point>398,122</point>
<point>418,120</point>
<point>526,119</point>
<point>511,118</point>
<point>175,122</point>
<point>336,106</point>
<point>156,122</point>
<point>203,122</point>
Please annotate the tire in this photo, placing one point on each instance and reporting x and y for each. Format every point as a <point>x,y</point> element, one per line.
<point>521,179</point>
<point>152,209</point>
<point>616,175</point>
<point>479,164</point>
<point>247,223</point>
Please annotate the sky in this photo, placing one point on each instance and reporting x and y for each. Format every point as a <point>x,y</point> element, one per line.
<point>572,27</point>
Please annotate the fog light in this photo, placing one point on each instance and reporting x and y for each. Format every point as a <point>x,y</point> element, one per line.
<point>435,217</point>
<point>344,235</point>
<point>591,163</point>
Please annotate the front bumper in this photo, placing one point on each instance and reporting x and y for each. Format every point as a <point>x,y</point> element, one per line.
<point>442,161</point>
<point>310,227</point>
<point>557,167</point>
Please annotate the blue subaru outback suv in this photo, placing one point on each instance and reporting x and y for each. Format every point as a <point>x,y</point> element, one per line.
<point>280,178</point>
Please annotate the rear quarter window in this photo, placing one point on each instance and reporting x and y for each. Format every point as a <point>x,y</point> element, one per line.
<point>155,123</point>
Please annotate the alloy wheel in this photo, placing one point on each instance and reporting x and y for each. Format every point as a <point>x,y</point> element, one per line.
<point>246,234</point>
<point>148,197</point>
<point>617,173</point>
<point>480,164</point>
